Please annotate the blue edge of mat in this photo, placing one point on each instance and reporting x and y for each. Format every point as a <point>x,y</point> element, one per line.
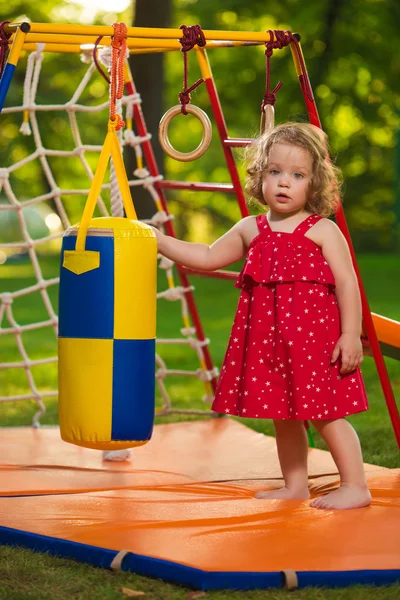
<point>189,576</point>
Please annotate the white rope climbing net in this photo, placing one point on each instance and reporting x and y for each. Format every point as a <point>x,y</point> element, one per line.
<point>60,198</point>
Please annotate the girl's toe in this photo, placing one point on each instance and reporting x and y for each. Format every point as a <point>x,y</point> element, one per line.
<point>317,503</point>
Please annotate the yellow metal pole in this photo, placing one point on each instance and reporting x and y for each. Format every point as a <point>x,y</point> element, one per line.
<point>142,32</point>
<point>54,38</point>
<point>296,58</point>
<point>16,48</point>
<point>77,48</point>
<point>204,64</point>
<point>63,48</point>
<point>12,62</point>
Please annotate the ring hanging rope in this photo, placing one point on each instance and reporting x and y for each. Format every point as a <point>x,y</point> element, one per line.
<point>190,37</point>
<point>269,99</point>
<point>278,39</point>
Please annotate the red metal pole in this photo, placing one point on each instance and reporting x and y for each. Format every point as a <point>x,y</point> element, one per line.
<point>223,134</point>
<point>367,318</point>
<point>195,186</point>
<point>218,274</point>
<point>153,168</point>
<point>237,142</point>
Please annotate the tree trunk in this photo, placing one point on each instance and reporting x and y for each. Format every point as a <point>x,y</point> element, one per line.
<point>148,75</point>
<point>327,33</point>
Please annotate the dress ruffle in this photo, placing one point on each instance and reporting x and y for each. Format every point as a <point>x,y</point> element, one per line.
<point>283,257</point>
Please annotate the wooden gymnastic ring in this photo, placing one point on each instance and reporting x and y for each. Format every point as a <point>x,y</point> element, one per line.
<point>267,119</point>
<point>163,133</point>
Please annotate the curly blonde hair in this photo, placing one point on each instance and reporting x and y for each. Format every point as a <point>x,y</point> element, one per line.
<point>326,178</point>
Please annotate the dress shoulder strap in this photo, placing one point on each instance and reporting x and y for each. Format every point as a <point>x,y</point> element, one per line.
<point>262,223</point>
<point>307,224</point>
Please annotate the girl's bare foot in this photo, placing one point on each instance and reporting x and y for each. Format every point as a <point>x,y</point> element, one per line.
<point>283,494</point>
<point>347,496</point>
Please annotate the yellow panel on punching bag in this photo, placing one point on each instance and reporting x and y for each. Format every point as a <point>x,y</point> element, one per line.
<point>135,291</point>
<point>85,387</point>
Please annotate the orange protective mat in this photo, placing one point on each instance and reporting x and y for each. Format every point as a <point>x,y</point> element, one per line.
<point>183,508</point>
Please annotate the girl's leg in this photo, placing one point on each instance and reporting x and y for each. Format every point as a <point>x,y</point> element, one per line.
<point>344,445</point>
<point>292,444</point>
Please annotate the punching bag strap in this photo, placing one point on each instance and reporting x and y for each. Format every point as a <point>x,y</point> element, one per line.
<point>112,148</point>
<point>111,145</point>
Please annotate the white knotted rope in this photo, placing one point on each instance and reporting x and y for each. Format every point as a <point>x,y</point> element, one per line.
<point>58,195</point>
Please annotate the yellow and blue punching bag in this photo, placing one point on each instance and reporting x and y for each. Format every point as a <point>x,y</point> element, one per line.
<point>107,323</point>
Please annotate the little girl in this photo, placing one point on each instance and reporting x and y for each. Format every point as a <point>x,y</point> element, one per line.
<point>294,351</point>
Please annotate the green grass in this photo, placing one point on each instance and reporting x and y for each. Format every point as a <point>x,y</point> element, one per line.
<point>28,576</point>
<point>25,575</point>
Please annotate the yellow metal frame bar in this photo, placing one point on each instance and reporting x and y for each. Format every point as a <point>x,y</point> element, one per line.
<point>296,59</point>
<point>139,32</point>
<point>154,45</point>
<point>204,64</point>
<point>54,38</point>
<point>77,47</point>
<point>16,48</point>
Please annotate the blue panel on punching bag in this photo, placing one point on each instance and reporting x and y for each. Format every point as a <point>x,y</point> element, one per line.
<point>80,315</point>
<point>133,389</point>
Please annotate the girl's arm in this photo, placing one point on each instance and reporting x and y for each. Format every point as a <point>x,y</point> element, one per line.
<point>336,252</point>
<point>226,250</point>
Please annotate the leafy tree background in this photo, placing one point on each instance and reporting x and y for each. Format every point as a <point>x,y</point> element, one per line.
<point>352,55</point>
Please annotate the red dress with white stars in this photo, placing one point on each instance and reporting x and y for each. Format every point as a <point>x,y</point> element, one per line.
<point>278,361</point>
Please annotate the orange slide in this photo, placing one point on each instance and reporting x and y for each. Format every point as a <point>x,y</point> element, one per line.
<point>388,332</point>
